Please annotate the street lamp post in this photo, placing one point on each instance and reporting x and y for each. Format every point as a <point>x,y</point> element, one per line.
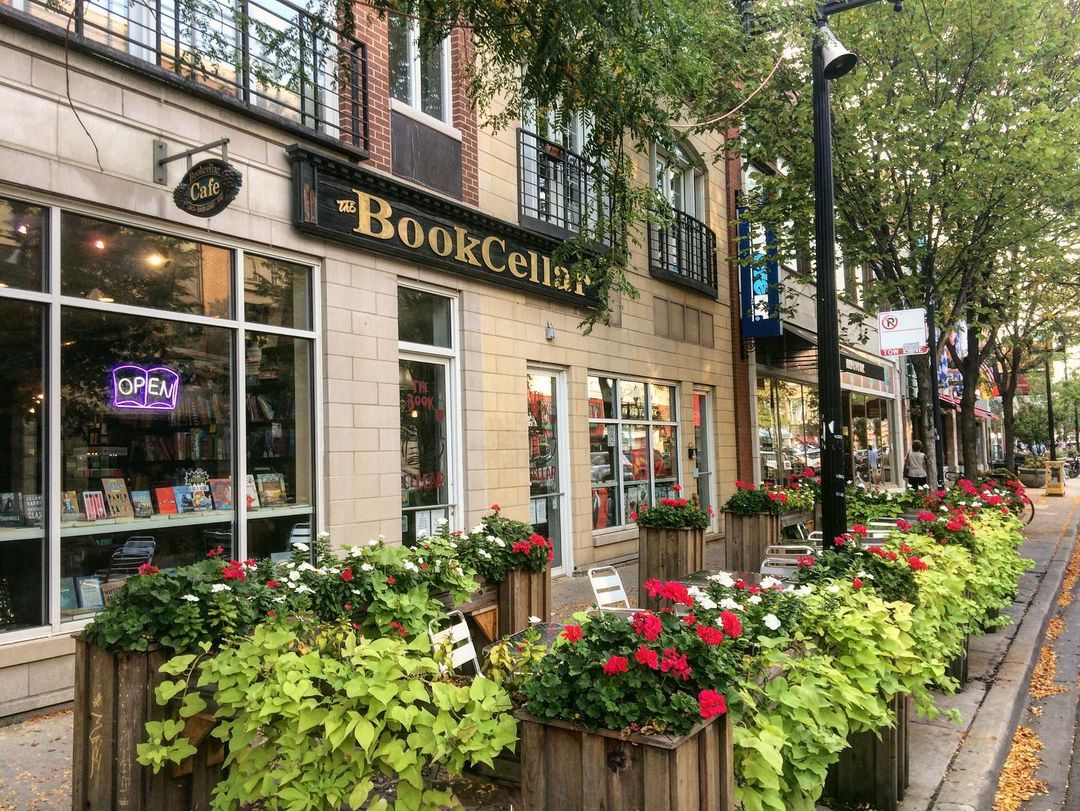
<point>830,61</point>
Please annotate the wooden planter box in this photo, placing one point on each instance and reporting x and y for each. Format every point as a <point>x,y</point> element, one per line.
<point>667,554</point>
<point>564,766</point>
<point>958,667</point>
<point>1031,476</point>
<point>746,537</point>
<point>522,595</point>
<point>872,770</point>
<point>481,611</point>
<point>114,697</point>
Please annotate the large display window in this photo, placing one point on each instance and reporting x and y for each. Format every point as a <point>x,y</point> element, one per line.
<point>633,446</point>
<point>168,385</point>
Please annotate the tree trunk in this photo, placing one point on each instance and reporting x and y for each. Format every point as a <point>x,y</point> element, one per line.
<point>923,370</point>
<point>1008,420</point>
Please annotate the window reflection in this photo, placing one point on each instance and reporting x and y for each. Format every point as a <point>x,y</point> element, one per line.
<point>22,242</point>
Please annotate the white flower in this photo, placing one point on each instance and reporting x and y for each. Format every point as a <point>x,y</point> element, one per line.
<point>730,605</point>
<point>302,588</point>
<point>305,567</point>
<point>373,542</point>
<point>442,522</point>
<point>705,601</point>
<point>422,533</point>
<point>381,538</point>
<point>755,599</point>
<point>366,567</point>
<point>803,591</point>
<point>499,542</point>
<point>323,536</point>
<point>534,620</point>
<point>833,589</point>
<point>771,622</point>
<point>217,588</point>
<point>944,509</point>
<point>355,551</point>
<point>191,598</point>
<point>477,529</point>
<point>723,578</point>
<point>301,547</point>
<point>409,566</point>
<point>294,574</point>
<point>484,554</point>
<point>768,582</point>
<point>491,539</point>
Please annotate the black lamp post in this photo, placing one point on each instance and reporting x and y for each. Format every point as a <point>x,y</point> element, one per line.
<point>830,61</point>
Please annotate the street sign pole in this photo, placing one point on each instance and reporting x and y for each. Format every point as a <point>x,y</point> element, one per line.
<point>935,399</point>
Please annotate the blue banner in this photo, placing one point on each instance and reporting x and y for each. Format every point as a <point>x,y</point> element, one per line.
<point>759,284</point>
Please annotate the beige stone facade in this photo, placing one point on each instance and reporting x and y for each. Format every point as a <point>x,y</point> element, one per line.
<point>93,153</point>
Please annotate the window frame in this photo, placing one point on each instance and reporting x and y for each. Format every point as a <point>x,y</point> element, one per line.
<point>451,358</point>
<point>649,424</point>
<point>55,301</point>
<point>413,105</point>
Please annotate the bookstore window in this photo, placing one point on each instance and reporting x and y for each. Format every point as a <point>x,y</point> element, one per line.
<point>22,241</point>
<point>22,505</point>
<point>146,449</point>
<point>426,386</point>
<point>633,446</point>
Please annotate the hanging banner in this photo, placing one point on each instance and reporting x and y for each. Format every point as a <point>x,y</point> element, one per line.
<point>759,282</point>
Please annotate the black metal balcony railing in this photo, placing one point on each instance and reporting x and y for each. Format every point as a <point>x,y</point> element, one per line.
<point>558,193</point>
<point>684,252</point>
<point>275,59</point>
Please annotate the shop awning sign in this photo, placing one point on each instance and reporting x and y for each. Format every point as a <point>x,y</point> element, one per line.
<point>902,332</point>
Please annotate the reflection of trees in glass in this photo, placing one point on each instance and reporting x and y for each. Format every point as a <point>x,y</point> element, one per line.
<point>110,261</point>
<point>22,237</point>
<point>21,404</point>
<point>276,292</point>
<point>423,431</point>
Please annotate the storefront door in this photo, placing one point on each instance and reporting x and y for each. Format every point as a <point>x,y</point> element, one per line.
<point>703,453</point>
<point>548,503</point>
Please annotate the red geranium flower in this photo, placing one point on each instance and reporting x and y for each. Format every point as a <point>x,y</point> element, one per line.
<point>805,560</point>
<point>633,516</point>
<point>148,568</point>
<point>271,613</point>
<point>647,624</point>
<point>677,488</point>
<point>856,583</point>
<point>572,633</point>
<point>616,664</point>
<point>646,657</point>
<point>903,525</point>
<point>925,516</point>
<point>710,634</point>
<point>859,529</point>
<point>521,547</point>
<point>234,571</point>
<point>348,606</point>
<point>346,574</point>
<point>916,563</point>
<point>216,552</point>
<point>397,626</point>
<point>390,580</point>
<point>711,704</point>
<point>495,508</point>
<point>690,620</point>
<point>732,626</point>
<point>676,663</point>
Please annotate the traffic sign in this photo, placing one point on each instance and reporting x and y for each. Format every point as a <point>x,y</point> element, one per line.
<point>902,332</point>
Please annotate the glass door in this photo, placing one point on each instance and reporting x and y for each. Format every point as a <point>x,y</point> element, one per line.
<point>425,447</point>
<point>548,505</point>
<point>703,453</point>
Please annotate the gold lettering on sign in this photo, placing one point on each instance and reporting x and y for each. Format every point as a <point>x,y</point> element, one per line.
<point>375,218</point>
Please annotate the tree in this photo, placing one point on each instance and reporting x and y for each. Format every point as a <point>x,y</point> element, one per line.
<point>953,155</point>
<point>1031,428</point>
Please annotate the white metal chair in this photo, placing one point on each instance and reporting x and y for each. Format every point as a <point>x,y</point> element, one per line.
<point>456,638</point>
<point>789,550</point>
<point>608,592</point>
<point>780,568</point>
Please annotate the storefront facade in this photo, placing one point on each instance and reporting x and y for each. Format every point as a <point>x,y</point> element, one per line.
<point>361,343</point>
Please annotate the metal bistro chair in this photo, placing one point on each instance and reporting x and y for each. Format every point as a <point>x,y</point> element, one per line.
<point>455,635</point>
<point>608,591</point>
<point>780,568</point>
<point>790,550</point>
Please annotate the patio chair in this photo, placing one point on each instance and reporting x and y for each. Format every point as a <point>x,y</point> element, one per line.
<point>608,591</point>
<point>789,550</point>
<point>457,636</point>
<point>780,568</point>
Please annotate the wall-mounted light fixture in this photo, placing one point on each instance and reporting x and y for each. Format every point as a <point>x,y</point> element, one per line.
<point>549,333</point>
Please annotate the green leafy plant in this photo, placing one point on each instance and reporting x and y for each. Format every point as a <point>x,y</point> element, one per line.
<point>316,717</point>
<point>749,499</point>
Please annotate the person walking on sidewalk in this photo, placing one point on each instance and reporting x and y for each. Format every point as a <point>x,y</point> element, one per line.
<point>915,465</point>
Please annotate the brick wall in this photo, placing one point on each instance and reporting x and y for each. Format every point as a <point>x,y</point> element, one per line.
<point>371,30</point>
<point>462,53</point>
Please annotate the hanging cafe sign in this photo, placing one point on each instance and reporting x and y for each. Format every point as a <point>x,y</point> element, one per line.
<point>348,204</point>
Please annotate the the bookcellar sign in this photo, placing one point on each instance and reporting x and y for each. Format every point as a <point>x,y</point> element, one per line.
<point>342,202</point>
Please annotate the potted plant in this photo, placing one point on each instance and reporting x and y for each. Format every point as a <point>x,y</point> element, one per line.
<point>1031,473</point>
<point>671,542</point>
<point>631,714</point>
<point>752,520</point>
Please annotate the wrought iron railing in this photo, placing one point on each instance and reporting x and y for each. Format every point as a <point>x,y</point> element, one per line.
<point>557,191</point>
<point>276,59</point>
<point>684,252</point>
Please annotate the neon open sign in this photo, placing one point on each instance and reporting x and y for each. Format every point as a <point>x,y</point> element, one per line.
<point>137,387</point>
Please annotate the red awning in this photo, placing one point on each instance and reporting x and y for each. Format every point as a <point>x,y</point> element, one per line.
<point>949,400</point>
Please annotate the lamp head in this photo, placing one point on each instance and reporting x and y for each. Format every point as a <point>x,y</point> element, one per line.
<point>837,59</point>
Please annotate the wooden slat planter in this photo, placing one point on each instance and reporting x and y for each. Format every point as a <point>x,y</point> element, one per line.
<point>873,771</point>
<point>958,667</point>
<point>114,697</point>
<point>667,554</point>
<point>564,766</point>
<point>481,611</point>
<point>745,539</point>
<point>522,595</point>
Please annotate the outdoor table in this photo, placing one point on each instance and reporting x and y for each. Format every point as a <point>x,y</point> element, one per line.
<point>701,578</point>
<point>549,632</point>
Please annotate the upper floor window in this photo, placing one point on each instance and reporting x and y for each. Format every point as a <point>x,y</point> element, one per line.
<point>680,181</point>
<point>419,72</point>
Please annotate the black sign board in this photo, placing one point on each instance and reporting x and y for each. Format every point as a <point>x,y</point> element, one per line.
<point>858,366</point>
<point>208,187</point>
<point>345,203</point>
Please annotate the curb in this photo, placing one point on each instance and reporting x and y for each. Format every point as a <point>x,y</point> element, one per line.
<point>971,780</point>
